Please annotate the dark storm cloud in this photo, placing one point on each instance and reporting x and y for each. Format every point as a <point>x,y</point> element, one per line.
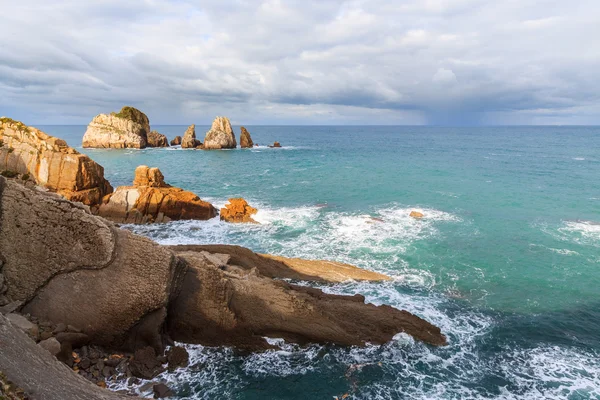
<point>275,61</point>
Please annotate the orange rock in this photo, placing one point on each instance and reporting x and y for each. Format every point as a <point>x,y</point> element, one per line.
<point>51,163</point>
<point>245,139</point>
<point>238,210</point>
<point>150,199</point>
<point>416,214</point>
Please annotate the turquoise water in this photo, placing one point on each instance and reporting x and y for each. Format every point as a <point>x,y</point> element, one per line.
<point>506,260</point>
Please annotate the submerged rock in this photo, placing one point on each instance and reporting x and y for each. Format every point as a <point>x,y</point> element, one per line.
<point>176,141</point>
<point>245,139</point>
<point>189,140</point>
<point>220,135</point>
<point>416,214</point>
<point>150,199</point>
<point>129,128</point>
<point>238,210</point>
<point>48,161</point>
<point>156,139</point>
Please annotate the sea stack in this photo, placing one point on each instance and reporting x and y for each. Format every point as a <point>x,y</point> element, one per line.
<point>189,140</point>
<point>150,199</point>
<point>176,141</point>
<point>245,139</point>
<point>129,128</point>
<point>30,154</point>
<point>220,135</point>
<point>156,139</point>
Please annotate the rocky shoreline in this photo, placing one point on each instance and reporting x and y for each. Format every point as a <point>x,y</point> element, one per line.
<point>105,305</point>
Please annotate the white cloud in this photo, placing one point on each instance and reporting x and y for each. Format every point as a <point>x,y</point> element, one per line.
<point>304,61</point>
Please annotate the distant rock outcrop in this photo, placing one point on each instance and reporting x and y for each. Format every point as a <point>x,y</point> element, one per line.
<point>276,144</point>
<point>189,140</point>
<point>416,214</point>
<point>156,139</point>
<point>220,135</point>
<point>129,128</point>
<point>150,199</point>
<point>238,210</point>
<point>245,139</point>
<point>176,141</point>
<point>31,154</point>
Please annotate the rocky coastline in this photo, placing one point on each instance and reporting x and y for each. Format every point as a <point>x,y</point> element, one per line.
<point>89,303</point>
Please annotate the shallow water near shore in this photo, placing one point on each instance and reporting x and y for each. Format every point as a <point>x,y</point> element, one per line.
<point>506,260</point>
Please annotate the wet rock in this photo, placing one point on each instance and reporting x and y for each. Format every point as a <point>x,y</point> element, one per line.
<point>177,357</point>
<point>145,364</point>
<point>161,391</point>
<point>276,144</point>
<point>238,210</point>
<point>51,345</point>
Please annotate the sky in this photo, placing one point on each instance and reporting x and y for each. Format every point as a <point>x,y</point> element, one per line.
<point>377,62</point>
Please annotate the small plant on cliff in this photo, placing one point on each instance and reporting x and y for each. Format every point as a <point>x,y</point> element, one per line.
<point>8,173</point>
<point>132,114</point>
<point>25,177</point>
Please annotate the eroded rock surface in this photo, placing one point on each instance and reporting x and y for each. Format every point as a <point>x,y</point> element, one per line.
<point>189,140</point>
<point>31,154</point>
<point>238,210</point>
<point>220,135</point>
<point>129,128</point>
<point>150,199</point>
<point>156,139</point>
<point>176,141</point>
<point>245,139</point>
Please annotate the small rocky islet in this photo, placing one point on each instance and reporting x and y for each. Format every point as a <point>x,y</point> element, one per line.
<point>77,290</point>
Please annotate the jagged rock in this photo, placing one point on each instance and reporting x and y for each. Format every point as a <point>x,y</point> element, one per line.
<point>156,139</point>
<point>220,135</point>
<point>238,210</point>
<point>177,357</point>
<point>51,163</point>
<point>129,128</point>
<point>72,267</point>
<point>150,199</point>
<point>189,140</point>
<point>51,345</point>
<point>276,144</point>
<point>416,214</point>
<point>245,139</point>
<point>176,141</point>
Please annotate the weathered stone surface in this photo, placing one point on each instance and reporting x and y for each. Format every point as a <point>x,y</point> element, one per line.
<point>416,214</point>
<point>145,364</point>
<point>129,128</point>
<point>156,139</point>
<point>39,374</point>
<point>245,139</point>
<point>276,144</point>
<point>330,271</point>
<point>177,357</point>
<point>51,163</point>
<point>51,345</point>
<point>189,140</point>
<point>220,135</point>
<point>152,200</point>
<point>238,210</point>
<point>176,141</point>
<point>161,391</point>
<point>24,324</point>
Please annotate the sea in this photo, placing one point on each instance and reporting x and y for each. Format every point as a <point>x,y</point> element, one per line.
<point>506,260</point>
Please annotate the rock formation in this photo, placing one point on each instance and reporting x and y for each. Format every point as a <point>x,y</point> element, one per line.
<point>220,135</point>
<point>129,128</point>
<point>156,139</point>
<point>416,214</point>
<point>245,139</point>
<point>47,160</point>
<point>189,140</point>
<point>176,141</point>
<point>276,144</point>
<point>127,292</point>
<point>150,199</point>
<point>238,210</point>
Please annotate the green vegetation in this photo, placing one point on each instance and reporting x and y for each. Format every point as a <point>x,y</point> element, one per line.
<point>132,114</point>
<point>8,173</point>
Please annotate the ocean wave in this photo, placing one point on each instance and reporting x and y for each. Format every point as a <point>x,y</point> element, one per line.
<point>584,233</point>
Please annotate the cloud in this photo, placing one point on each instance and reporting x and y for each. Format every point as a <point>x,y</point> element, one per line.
<point>328,61</point>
